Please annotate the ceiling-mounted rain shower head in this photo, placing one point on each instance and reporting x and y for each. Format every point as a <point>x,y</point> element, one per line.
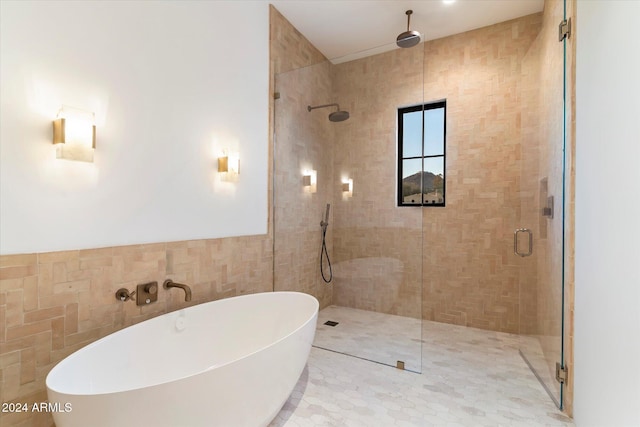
<point>336,116</point>
<point>408,38</point>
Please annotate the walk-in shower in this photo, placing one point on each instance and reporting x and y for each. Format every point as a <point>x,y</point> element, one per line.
<point>371,285</point>
<point>396,267</point>
<point>337,116</point>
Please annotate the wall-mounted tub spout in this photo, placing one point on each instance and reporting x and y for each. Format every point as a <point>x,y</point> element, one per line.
<point>171,284</point>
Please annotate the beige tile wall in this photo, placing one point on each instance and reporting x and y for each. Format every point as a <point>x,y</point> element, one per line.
<point>533,186</point>
<point>384,269</point>
<point>368,225</point>
<point>471,274</point>
<point>289,49</point>
<point>303,141</point>
<point>52,304</point>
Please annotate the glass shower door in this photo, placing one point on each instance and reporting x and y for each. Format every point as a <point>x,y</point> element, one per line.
<point>539,242</point>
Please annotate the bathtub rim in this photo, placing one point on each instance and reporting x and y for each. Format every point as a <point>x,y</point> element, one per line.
<point>75,354</point>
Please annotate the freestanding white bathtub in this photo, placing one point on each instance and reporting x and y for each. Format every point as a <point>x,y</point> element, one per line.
<point>227,363</point>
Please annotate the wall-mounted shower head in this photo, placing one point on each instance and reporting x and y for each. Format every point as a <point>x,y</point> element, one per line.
<point>337,116</point>
<point>408,38</point>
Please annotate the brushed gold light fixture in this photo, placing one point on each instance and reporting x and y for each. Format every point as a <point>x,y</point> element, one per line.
<point>229,165</point>
<point>74,134</point>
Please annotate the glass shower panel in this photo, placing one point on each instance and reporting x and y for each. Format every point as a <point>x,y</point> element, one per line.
<point>542,185</point>
<point>303,142</point>
<point>372,307</point>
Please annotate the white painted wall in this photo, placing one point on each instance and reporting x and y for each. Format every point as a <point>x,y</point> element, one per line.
<point>607,304</point>
<point>171,83</point>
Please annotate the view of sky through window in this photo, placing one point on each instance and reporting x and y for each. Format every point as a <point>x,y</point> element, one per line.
<point>421,156</point>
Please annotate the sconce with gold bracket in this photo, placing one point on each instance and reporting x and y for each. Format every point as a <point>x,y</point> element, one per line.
<point>74,134</point>
<point>229,166</point>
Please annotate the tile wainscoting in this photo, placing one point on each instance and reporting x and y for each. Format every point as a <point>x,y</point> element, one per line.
<point>52,304</point>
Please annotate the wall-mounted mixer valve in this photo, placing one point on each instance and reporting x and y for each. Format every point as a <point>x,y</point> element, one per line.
<point>145,293</point>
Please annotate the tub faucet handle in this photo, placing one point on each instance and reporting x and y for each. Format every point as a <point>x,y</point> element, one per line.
<point>151,288</point>
<point>123,294</point>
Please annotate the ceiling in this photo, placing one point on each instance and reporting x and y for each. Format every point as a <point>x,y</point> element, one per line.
<point>344,30</point>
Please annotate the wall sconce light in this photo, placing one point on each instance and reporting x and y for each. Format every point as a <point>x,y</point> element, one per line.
<point>310,181</point>
<point>347,188</point>
<point>229,166</point>
<point>74,134</point>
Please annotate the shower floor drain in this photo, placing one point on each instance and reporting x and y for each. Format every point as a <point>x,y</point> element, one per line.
<point>330,323</point>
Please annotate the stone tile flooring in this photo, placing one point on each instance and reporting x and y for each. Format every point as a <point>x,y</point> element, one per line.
<point>379,337</point>
<point>470,377</point>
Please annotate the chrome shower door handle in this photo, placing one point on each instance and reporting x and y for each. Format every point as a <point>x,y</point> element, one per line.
<point>515,242</point>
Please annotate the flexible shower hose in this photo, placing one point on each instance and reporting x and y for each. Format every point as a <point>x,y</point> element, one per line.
<point>325,253</point>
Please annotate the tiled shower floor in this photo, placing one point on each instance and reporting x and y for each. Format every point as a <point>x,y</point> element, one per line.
<point>470,377</point>
<point>374,336</point>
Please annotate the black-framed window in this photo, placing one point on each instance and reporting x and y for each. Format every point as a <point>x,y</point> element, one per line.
<point>422,154</point>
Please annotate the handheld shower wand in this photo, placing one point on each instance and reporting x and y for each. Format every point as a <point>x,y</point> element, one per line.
<point>323,252</point>
<point>325,223</point>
